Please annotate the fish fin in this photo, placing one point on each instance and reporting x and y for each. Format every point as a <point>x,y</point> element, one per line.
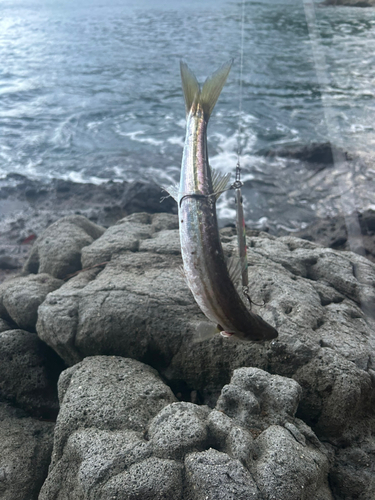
<point>190,86</point>
<point>235,268</point>
<point>205,331</point>
<point>220,182</point>
<point>212,88</point>
<point>181,271</point>
<point>172,190</point>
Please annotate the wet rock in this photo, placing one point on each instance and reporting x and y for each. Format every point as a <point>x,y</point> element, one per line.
<point>20,298</point>
<point>28,207</point>
<point>351,3</point>
<point>58,250</point>
<point>25,451</point>
<point>333,233</point>
<point>29,371</point>
<point>319,155</point>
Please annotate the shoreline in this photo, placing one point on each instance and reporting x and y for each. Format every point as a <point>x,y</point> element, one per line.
<point>28,207</point>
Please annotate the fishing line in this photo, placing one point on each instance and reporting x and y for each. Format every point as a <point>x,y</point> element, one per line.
<point>240,219</point>
<point>347,195</point>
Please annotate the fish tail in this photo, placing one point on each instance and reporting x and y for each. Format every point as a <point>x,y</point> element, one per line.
<point>206,97</point>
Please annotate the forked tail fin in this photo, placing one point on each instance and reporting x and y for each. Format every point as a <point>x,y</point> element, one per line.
<point>206,97</point>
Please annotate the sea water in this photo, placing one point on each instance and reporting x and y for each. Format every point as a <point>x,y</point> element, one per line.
<point>90,91</point>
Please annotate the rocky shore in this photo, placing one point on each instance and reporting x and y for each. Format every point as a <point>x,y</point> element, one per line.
<point>106,391</point>
<point>28,207</point>
<point>350,3</point>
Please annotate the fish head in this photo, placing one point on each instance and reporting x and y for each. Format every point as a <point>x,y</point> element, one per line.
<point>263,331</point>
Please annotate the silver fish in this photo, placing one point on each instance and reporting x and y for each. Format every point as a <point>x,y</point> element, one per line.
<point>205,266</point>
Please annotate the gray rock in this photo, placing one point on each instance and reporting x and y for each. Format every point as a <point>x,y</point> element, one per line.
<point>285,469</point>
<point>255,399</point>
<point>353,474</point>
<point>179,429</point>
<point>211,475</point>
<point>29,371</point>
<point>152,479</point>
<point>234,440</point>
<point>122,237</point>
<point>337,397</point>
<point>91,458</point>
<point>20,298</point>
<point>100,449</point>
<point>107,393</point>
<point>136,307</point>
<point>5,325</point>
<point>135,232</point>
<point>25,451</point>
<point>351,3</point>
<point>58,250</point>
<point>118,435</point>
<point>320,300</point>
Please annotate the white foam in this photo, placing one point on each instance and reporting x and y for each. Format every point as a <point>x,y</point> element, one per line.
<point>80,179</point>
<point>181,123</point>
<point>134,136</point>
<point>178,140</point>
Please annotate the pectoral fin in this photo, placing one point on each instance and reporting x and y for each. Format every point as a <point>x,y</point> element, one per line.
<point>220,182</point>
<point>204,330</point>
<point>172,190</point>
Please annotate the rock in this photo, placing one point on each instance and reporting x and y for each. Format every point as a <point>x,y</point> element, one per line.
<point>5,325</point>
<point>25,451</point>
<point>120,435</point>
<point>106,406</point>
<point>286,469</point>
<point>253,398</point>
<point>179,429</point>
<point>333,233</point>
<point>337,395</point>
<point>152,479</point>
<point>233,439</point>
<point>58,250</point>
<point>319,155</point>
<point>124,236</point>
<point>29,370</point>
<point>212,475</point>
<point>350,3</point>
<point>319,299</point>
<point>28,207</point>
<point>353,473</point>
<point>110,393</point>
<point>20,298</point>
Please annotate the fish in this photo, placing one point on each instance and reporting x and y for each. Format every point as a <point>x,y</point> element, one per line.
<point>204,264</point>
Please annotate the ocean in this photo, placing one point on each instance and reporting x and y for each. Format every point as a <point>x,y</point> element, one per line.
<point>90,91</point>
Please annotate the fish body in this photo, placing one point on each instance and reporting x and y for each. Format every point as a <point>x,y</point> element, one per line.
<point>205,266</point>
